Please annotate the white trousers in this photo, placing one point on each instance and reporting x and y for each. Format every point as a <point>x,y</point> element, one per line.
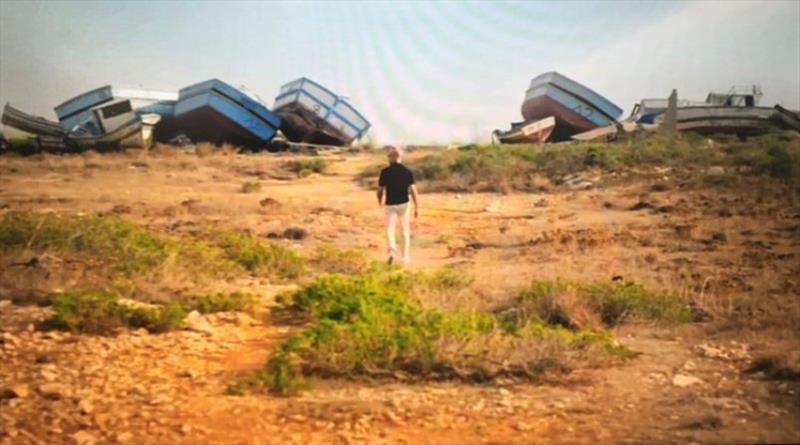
<point>393,213</point>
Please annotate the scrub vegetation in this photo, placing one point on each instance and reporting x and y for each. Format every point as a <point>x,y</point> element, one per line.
<point>375,325</point>
<point>505,168</point>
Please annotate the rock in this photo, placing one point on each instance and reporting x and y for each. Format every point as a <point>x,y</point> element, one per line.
<point>124,437</point>
<point>196,322</point>
<point>52,391</point>
<point>503,392</point>
<point>682,381</point>
<point>186,429</point>
<point>188,373</point>
<point>84,438</point>
<point>711,352</point>
<point>716,170</point>
<point>85,406</point>
<point>689,365</point>
<point>705,423</point>
<point>19,390</point>
<point>48,374</point>
<point>522,426</point>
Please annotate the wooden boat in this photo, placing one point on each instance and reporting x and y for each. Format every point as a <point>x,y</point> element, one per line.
<point>213,111</point>
<point>115,125</point>
<point>79,109</point>
<point>29,123</point>
<point>313,114</point>
<point>527,132</point>
<point>576,108</point>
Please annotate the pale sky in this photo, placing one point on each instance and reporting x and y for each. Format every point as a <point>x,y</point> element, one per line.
<point>421,72</point>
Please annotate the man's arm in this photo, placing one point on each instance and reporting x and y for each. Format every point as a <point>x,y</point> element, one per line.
<point>413,189</point>
<point>380,194</point>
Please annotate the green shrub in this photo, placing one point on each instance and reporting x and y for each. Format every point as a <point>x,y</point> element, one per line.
<point>220,302</point>
<point>250,187</point>
<point>258,256</point>
<point>101,312</point>
<point>305,167</point>
<point>371,325</point>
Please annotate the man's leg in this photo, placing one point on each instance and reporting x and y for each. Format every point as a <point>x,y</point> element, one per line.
<point>405,224</point>
<point>391,219</point>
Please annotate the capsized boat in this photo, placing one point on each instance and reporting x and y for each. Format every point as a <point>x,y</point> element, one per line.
<point>787,118</point>
<point>577,109</point>
<point>735,112</point>
<point>312,113</point>
<point>29,123</point>
<point>213,111</point>
<point>115,125</point>
<point>79,109</point>
<point>527,132</point>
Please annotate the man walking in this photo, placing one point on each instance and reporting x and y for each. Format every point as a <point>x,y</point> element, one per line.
<point>395,183</point>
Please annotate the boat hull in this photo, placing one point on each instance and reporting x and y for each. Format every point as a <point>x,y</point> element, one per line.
<point>79,109</point>
<point>527,132</point>
<point>29,123</point>
<point>215,112</point>
<point>133,134</point>
<point>568,121</point>
<point>742,121</point>
<point>313,114</point>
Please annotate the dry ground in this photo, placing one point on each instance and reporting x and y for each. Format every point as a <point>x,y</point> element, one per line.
<point>725,248</point>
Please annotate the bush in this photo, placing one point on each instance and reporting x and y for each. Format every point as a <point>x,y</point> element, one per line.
<point>370,325</point>
<point>250,187</point>
<point>257,256</point>
<point>101,312</point>
<point>331,259</point>
<point>220,302</point>
<point>305,167</point>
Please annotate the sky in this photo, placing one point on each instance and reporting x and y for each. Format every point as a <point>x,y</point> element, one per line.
<point>420,72</point>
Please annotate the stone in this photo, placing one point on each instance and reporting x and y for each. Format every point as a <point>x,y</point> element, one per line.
<point>124,437</point>
<point>682,381</point>
<point>188,373</point>
<point>15,391</point>
<point>52,391</point>
<point>689,365</point>
<point>85,406</point>
<point>197,323</point>
<point>48,374</point>
<point>84,438</point>
<point>716,170</point>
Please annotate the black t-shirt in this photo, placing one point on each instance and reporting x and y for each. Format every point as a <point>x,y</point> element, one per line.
<point>397,178</point>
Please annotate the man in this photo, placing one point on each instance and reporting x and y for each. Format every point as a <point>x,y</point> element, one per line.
<point>395,183</point>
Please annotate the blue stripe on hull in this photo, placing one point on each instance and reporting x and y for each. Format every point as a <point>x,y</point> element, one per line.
<point>570,86</point>
<point>585,109</point>
<point>234,94</point>
<point>233,111</point>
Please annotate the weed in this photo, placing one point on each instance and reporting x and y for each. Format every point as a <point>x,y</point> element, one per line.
<point>331,259</point>
<point>220,302</point>
<point>251,187</point>
<point>101,312</point>
<point>257,256</point>
<point>305,167</point>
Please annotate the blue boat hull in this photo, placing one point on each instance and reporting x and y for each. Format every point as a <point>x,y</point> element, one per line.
<point>216,112</point>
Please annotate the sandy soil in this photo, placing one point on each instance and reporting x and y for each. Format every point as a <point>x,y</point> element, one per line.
<point>720,247</point>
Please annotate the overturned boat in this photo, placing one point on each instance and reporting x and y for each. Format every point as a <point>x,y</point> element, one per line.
<point>527,132</point>
<point>575,107</point>
<point>79,109</point>
<point>114,125</point>
<point>213,111</point>
<point>29,123</point>
<point>735,112</point>
<point>312,113</point>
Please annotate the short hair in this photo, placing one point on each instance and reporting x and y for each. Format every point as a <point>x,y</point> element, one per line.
<point>393,150</point>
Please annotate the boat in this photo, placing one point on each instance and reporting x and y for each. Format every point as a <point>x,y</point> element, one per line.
<point>29,123</point>
<point>213,111</point>
<point>79,109</point>
<point>576,108</point>
<point>735,112</point>
<point>313,114</point>
<point>527,132</point>
<point>646,111</point>
<point>787,118</point>
<point>114,125</point>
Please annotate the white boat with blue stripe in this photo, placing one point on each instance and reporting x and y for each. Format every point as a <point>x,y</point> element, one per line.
<point>314,114</point>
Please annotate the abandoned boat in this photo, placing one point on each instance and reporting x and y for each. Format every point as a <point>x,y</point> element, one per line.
<point>787,118</point>
<point>213,111</point>
<point>527,132</point>
<point>735,112</point>
<point>79,109</point>
<point>114,125</point>
<point>576,108</point>
<point>312,113</point>
<point>29,123</point>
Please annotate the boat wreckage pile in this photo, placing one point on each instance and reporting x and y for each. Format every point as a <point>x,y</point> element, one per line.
<point>213,111</point>
<point>557,109</point>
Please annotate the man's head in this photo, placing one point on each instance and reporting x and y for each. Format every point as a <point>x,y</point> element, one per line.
<point>395,154</point>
